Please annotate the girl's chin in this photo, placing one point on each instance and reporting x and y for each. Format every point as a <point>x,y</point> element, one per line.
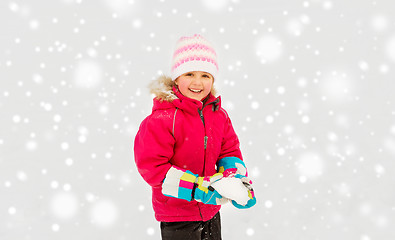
<point>195,98</point>
<point>198,97</point>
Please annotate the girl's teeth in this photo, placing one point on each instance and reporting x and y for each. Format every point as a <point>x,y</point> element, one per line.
<point>196,91</point>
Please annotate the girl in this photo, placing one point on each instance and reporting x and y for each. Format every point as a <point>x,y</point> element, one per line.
<point>187,144</point>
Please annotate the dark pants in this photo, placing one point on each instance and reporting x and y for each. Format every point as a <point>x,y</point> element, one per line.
<point>210,230</point>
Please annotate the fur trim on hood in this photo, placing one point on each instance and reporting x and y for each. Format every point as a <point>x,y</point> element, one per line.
<point>162,88</point>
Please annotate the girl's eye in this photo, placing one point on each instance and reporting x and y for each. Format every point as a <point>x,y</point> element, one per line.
<point>188,74</point>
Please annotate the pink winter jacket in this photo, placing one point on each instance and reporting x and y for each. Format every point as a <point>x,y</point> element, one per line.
<point>182,132</point>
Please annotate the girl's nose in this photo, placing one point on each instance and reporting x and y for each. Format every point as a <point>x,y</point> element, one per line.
<point>197,80</point>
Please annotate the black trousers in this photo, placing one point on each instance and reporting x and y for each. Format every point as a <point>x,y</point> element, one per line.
<point>210,230</point>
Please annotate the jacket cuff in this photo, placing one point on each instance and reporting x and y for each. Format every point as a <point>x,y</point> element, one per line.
<point>234,163</point>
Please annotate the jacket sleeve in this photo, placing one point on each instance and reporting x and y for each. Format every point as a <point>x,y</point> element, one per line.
<point>230,146</point>
<point>153,149</point>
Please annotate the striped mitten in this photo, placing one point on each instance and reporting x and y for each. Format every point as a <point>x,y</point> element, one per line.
<point>183,184</point>
<point>252,199</point>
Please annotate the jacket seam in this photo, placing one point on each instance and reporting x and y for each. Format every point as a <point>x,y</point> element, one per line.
<point>226,114</point>
<point>174,121</point>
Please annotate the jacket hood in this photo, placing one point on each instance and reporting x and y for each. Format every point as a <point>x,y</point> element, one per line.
<point>162,88</point>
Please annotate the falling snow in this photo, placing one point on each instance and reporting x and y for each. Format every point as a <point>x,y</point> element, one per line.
<point>308,85</point>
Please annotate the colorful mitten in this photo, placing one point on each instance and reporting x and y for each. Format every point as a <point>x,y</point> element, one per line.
<point>183,184</point>
<point>248,184</point>
<point>231,165</point>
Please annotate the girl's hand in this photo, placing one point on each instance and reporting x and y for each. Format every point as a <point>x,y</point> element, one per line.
<point>183,184</point>
<point>248,184</point>
<point>237,188</point>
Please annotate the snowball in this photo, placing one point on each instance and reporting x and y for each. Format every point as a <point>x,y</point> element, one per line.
<point>232,188</point>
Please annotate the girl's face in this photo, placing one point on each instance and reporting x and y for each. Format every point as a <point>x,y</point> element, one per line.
<point>196,85</point>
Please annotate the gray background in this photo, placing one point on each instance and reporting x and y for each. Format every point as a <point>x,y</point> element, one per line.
<point>308,85</point>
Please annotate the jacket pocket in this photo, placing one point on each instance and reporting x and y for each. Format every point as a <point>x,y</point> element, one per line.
<point>158,196</point>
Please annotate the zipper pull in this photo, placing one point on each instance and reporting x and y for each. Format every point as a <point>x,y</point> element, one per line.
<point>205,142</point>
<point>201,115</point>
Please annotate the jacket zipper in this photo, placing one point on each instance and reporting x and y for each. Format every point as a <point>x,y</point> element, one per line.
<point>205,137</point>
<point>205,145</point>
<point>204,125</point>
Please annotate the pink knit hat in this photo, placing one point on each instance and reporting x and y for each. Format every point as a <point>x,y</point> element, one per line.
<point>193,53</point>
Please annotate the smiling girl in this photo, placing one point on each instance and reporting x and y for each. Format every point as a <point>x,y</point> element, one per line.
<point>187,144</point>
